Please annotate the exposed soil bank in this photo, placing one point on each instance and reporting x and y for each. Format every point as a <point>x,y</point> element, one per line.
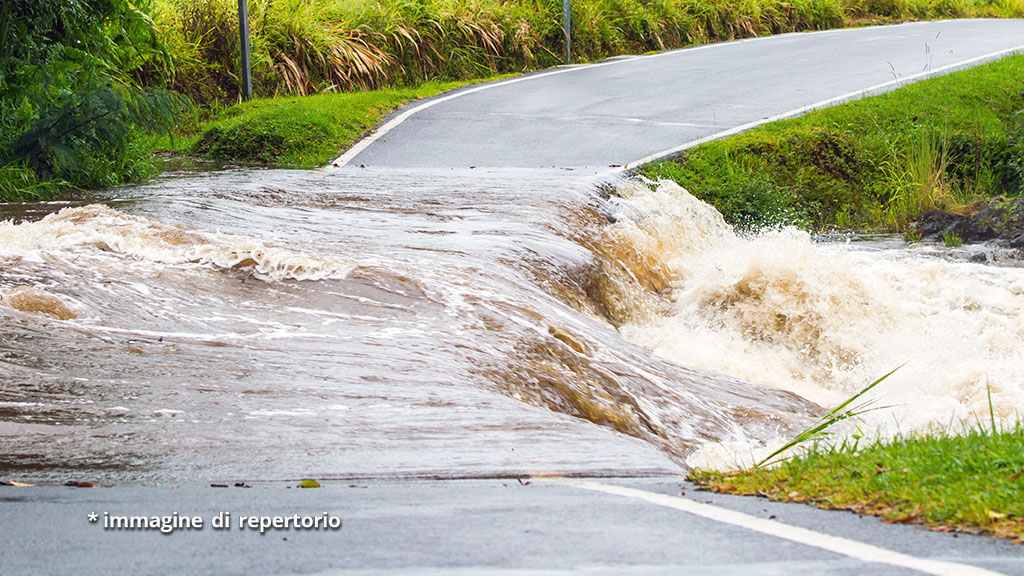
<point>998,219</point>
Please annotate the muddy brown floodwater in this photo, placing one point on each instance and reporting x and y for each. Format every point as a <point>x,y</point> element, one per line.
<point>265,324</point>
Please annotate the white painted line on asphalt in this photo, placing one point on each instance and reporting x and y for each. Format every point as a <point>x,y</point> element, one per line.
<point>397,120</point>
<point>838,545</point>
<point>876,89</point>
<point>390,125</point>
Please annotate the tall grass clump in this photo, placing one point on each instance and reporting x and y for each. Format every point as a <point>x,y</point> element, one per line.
<point>917,179</point>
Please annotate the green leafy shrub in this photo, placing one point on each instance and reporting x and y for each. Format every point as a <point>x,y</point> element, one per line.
<point>72,102</point>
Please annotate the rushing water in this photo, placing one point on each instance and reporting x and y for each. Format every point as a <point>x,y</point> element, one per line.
<point>265,324</point>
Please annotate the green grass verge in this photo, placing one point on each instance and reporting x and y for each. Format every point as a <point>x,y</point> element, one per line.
<point>873,163</point>
<point>301,131</point>
<point>972,483</point>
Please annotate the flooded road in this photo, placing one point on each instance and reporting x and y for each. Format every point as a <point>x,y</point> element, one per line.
<point>345,323</point>
<point>392,321</point>
<point>272,324</point>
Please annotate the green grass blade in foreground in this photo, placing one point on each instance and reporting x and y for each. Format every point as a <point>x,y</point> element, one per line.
<point>991,410</point>
<point>835,415</point>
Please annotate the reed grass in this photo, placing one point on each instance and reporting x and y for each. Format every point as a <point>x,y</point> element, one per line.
<point>820,429</point>
<point>309,46</point>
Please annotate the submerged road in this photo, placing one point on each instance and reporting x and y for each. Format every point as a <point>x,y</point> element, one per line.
<point>621,111</point>
<point>600,116</point>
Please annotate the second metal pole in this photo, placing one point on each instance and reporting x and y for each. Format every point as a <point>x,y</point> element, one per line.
<point>567,28</point>
<point>243,37</point>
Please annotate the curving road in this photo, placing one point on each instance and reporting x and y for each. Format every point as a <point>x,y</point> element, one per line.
<point>623,110</point>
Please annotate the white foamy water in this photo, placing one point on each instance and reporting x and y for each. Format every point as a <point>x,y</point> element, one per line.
<point>824,320</point>
<point>469,338</point>
<point>147,240</point>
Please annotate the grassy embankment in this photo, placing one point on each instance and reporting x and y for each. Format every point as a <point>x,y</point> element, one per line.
<point>875,163</point>
<point>304,47</point>
<point>971,483</point>
<point>296,131</point>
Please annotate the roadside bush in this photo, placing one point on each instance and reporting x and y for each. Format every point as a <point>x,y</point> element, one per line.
<point>72,99</point>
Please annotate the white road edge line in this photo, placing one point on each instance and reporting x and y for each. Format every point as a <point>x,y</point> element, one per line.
<point>872,90</point>
<point>836,544</point>
<point>390,125</point>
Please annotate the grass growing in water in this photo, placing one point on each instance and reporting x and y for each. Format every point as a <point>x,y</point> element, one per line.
<point>874,163</point>
<point>952,240</point>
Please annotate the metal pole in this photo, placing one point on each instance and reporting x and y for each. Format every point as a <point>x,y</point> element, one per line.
<point>243,38</point>
<point>567,28</point>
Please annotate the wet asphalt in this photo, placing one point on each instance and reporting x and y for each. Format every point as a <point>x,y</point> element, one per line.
<point>626,109</point>
<point>496,526</point>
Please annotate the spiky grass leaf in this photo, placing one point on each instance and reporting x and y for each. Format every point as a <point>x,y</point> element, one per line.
<point>837,414</point>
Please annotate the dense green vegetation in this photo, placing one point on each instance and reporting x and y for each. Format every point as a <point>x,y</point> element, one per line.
<point>876,163</point>
<point>70,101</point>
<point>971,483</point>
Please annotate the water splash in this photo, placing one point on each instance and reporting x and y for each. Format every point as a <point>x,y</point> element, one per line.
<point>465,341</point>
<point>37,301</point>
<point>101,228</point>
<point>825,320</point>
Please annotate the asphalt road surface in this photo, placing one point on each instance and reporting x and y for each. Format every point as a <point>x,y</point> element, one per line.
<point>623,110</point>
<point>468,527</point>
